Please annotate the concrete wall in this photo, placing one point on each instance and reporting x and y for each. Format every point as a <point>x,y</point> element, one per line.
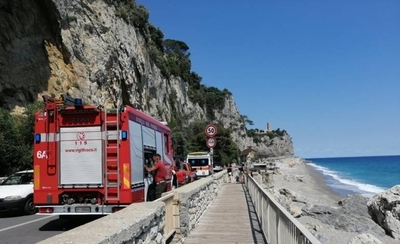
<point>138,223</point>
<point>142,223</point>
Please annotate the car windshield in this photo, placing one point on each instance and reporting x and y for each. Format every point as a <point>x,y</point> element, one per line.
<point>19,179</point>
<point>198,162</point>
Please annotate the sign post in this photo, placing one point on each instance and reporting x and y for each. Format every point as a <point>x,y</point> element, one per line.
<point>211,142</point>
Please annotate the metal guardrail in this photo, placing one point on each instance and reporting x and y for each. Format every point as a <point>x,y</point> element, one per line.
<point>277,224</point>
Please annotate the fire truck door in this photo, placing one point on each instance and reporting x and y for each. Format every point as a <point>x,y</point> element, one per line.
<point>148,177</point>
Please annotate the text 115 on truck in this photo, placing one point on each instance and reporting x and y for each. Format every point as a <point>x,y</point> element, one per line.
<point>201,162</point>
<point>89,160</point>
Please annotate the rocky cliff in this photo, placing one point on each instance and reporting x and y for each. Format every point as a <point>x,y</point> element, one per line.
<point>84,49</point>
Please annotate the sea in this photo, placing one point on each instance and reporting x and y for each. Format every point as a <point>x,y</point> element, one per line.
<point>367,175</point>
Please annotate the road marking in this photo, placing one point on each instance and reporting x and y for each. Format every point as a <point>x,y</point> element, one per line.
<point>29,222</point>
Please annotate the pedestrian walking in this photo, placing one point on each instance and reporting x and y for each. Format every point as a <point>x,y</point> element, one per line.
<point>229,170</point>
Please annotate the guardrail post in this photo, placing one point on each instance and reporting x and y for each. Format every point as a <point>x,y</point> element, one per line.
<point>176,220</point>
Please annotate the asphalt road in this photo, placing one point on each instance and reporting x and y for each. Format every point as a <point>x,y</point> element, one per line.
<point>34,228</point>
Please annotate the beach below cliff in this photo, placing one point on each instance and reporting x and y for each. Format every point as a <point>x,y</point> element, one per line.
<point>297,175</point>
<point>332,218</point>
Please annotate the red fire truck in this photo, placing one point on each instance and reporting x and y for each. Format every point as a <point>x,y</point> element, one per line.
<point>89,160</point>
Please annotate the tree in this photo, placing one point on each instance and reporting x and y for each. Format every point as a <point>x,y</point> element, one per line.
<point>246,120</point>
<point>28,122</point>
<point>176,46</point>
<point>178,61</point>
<point>194,81</point>
<point>157,36</point>
<point>16,138</point>
<point>12,146</point>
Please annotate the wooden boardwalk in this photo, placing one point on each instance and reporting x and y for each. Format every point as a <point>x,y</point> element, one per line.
<point>229,219</point>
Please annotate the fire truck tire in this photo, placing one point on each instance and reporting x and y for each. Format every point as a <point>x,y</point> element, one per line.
<point>29,207</point>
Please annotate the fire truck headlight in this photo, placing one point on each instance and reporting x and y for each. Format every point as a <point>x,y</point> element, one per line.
<point>37,138</point>
<point>94,200</point>
<point>124,135</point>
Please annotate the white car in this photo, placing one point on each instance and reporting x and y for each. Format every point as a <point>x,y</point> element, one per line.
<point>16,193</point>
<point>217,168</point>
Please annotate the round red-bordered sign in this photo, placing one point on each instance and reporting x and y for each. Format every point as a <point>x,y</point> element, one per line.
<point>211,130</point>
<point>211,142</point>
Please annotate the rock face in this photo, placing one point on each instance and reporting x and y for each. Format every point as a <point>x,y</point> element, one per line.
<point>384,209</point>
<point>26,31</point>
<point>364,239</point>
<point>349,216</point>
<point>82,48</point>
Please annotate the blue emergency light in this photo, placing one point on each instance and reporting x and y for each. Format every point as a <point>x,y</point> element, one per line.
<point>78,102</point>
<point>124,135</point>
<point>37,138</point>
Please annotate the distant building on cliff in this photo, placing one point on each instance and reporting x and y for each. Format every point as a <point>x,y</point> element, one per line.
<point>263,132</point>
<point>269,127</point>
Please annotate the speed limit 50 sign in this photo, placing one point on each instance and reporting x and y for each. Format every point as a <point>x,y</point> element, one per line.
<point>211,130</point>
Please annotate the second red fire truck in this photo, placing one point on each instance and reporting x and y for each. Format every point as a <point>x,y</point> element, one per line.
<point>89,160</point>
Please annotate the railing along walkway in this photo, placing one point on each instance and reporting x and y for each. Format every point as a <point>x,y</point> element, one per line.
<point>229,219</point>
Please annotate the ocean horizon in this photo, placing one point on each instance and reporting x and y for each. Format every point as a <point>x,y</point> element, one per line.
<point>365,175</point>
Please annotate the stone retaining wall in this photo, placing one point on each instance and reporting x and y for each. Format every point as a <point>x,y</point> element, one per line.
<point>143,223</point>
<point>194,199</point>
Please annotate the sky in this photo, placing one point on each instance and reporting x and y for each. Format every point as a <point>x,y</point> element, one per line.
<point>327,72</point>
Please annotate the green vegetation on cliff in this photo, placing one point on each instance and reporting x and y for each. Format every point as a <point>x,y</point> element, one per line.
<point>16,140</point>
<point>172,57</point>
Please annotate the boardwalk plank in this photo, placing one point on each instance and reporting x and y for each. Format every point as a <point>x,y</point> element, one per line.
<point>229,219</point>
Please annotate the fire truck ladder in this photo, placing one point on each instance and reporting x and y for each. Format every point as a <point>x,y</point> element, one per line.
<point>112,143</point>
<point>51,108</point>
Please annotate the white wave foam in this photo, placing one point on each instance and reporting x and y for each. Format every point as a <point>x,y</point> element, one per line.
<point>364,188</point>
<point>325,171</point>
<point>348,184</point>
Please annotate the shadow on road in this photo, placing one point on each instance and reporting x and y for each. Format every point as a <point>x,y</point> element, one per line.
<point>11,214</point>
<point>65,224</point>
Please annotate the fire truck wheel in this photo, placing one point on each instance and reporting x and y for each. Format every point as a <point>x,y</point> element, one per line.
<point>29,207</point>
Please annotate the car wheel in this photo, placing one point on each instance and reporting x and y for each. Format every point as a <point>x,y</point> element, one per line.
<point>29,207</point>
